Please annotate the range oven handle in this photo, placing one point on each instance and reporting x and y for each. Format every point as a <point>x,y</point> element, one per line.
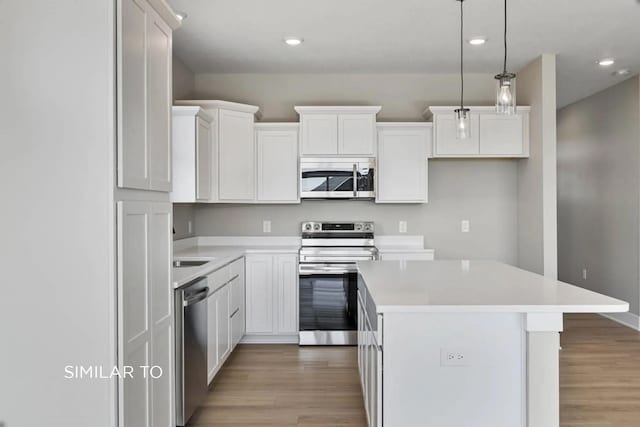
<point>337,269</point>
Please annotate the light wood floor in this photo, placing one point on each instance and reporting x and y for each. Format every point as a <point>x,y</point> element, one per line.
<point>318,386</point>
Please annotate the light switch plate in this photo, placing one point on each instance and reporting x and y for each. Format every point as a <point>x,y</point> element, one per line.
<point>266,226</point>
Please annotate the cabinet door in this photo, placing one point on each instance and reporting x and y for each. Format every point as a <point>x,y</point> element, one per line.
<point>203,160</point>
<point>277,166</point>
<point>319,134</point>
<point>236,178</point>
<point>158,102</point>
<point>224,342</point>
<point>212,334</point>
<point>356,134</point>
<point>134,327</point>
<point>447,145</point>
<point>259,298</point>
<point>132,81</point>
<point>501,135</point>
<point>162,349</point>
<point>402,165</point>
<point>286,297</point>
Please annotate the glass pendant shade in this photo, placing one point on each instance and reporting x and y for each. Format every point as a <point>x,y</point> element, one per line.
<point>463,123</point>
<point>506,93</point>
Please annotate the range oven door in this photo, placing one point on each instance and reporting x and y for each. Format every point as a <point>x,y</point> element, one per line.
<point>337,178</point>
<point>328,304</point>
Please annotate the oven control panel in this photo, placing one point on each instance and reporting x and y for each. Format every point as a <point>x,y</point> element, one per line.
<point>333,227</point>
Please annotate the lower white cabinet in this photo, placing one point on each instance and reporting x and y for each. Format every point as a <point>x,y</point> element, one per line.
<point>223,305</point>
<point>370,354</point>
<point>272,297</point>
<point>403,149</point>
<point>145,312</point>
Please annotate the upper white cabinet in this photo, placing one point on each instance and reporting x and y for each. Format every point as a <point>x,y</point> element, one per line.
<point>144,46</point>
<point>233,156</point>
<point>278,160</point>
<point>335,131</point>
<point>192,155</point>
<point>403,149</point>
<point>492,135</point>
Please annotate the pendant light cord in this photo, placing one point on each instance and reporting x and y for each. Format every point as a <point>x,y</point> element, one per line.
<point>462,55</point>
<point>505,37</point>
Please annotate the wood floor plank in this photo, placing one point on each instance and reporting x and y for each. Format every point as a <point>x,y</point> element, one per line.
<point>287,385</point>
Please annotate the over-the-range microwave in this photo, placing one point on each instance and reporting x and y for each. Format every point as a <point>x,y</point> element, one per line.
<point>337,178</point>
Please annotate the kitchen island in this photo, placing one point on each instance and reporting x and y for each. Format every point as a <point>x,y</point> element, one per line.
<point>463,343</point>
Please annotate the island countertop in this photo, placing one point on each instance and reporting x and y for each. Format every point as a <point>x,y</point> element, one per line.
<point>475,286</point>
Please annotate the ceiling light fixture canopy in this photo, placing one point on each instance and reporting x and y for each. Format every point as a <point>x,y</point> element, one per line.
<point>181,16</point>
<point>505,81</point>
<point>462,116</point>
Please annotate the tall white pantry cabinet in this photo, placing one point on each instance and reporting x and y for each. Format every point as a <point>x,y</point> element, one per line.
<point>144,213</point>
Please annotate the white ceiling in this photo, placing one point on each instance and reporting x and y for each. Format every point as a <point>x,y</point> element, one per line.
<point>421,36</point>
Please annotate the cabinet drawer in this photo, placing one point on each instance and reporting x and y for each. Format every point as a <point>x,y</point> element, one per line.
<point>218,278</point>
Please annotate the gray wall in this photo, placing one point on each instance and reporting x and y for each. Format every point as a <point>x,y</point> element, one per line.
<point>402,96</point>
<point>57,252</point>
<point>537,213</point>
<point>482,191</point>
<point>183,80</point>
<point>598,192</point>
<point>182,214</point>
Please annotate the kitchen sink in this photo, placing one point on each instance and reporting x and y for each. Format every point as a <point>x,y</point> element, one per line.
<point>188,263</point>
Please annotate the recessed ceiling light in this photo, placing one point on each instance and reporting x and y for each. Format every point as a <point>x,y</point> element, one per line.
<point>477,41</point>
<point>293,41</point>
<point>606,62</point>
<point>621,72</point>
<point>181,16</point>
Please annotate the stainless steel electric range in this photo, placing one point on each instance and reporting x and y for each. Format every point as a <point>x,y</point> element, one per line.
<point>329,280</point>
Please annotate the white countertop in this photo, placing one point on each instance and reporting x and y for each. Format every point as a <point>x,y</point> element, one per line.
<point>219,256</point>
<point>475,286</point>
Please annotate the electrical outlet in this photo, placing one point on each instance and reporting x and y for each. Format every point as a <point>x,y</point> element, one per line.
<point>266,226</point>
<point>449,357</point>
<point>584,274</point>
<point>402,226</point>
<point>465,226</point>
<point>189,230</point>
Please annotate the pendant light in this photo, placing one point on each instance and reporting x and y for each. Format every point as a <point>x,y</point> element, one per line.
<point>462,114</point>
<point>505,81</point>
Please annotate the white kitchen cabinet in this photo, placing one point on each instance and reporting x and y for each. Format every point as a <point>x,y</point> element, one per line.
<point>144,41</point>
<point>225,305</point>
<point>278,162</point>
<point>145,317</point>
<point>260,294</point>
<point>403,149</point>
<point>337,131</point>
<point>370,356</point>
<point>272,297</point>
<point>492,135</point>
<point>233,152</point>
<point>192,155</point>
<point>319,134</point>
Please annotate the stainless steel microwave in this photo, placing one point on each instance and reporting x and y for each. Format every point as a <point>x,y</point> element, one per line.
<point>337,178</point>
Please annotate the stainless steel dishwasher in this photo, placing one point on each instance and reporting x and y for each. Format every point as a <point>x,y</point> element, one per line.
<point>191,347</point>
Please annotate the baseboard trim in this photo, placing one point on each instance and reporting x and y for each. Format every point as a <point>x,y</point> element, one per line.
<point>627,319</point>
<point>270,339</point>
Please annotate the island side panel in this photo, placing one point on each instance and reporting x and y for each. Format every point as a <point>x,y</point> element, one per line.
<point>422,386</point>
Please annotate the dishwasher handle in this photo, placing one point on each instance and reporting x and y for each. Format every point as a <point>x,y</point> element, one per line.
<point>197,297</point>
